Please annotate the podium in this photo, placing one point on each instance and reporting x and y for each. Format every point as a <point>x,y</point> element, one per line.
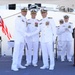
<point>11,45</point>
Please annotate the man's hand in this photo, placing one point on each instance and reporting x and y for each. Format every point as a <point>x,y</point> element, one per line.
<point>28,35</point>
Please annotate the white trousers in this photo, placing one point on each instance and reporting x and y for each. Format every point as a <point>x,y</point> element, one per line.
<point>66,50</point>
<point>32,46</point>
<point>59,48</point>
<point>47,50</point>
<point>17,54</point>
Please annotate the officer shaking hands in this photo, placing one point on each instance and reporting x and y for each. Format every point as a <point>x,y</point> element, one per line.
<point>32,41</point>
<point>48,36</point>
<point>20,33</point>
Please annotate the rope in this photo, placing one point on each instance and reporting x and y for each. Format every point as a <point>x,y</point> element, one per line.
<point>20,12</point>
<point>11,15</point>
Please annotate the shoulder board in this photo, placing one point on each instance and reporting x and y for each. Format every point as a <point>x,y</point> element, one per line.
<point>70,22</point>
<point>28,19</point>
<point>19,16</point>
<point>49,17</point>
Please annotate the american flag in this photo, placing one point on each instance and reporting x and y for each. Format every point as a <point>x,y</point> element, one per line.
<point>5,29</point>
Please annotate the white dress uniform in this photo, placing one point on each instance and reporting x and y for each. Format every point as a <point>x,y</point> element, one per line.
<point>20,33</point>
<point>66,37</point>
<point>48,36</point>
<point>59,40</point>
<point>32,42</point>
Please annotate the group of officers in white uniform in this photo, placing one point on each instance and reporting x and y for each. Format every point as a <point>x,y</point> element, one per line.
<point>65,39</point>
<point>27,34</point>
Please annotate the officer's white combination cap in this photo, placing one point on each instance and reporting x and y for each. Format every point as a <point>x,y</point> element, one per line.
<point>43,9</point>
<point>23,8</point>
<point>33,10</point>
<point>66,16</point>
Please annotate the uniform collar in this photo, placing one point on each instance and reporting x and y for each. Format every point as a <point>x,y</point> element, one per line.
<point>45,18</point>
<point>24,17</point>
<point>33,18</point>
<point>66,22</point>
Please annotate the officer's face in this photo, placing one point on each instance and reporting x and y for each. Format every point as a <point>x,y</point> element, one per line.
<point>24,13</point>
<point>66,19</point>
<point>33,15</point>
<point>44,14</point>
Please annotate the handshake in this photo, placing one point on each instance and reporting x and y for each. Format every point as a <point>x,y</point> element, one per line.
<point>66,28</point>
<point>28,34</point>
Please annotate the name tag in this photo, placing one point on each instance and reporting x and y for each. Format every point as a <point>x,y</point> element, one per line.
<point>23,21</point>
<point>28,23</point>
<point>40,23</point>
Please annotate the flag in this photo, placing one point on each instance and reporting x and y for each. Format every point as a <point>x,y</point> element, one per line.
<point>5,29</point>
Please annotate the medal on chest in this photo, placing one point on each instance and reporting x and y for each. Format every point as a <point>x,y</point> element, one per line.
<point>36,24</point>
<point>47,23</point>
<point>69,26</point>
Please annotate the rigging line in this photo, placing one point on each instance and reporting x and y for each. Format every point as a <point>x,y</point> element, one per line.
<point>20,12</point>
<point>11,15</point>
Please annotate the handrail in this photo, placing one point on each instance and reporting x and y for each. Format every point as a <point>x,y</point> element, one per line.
<point>11,15</point>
